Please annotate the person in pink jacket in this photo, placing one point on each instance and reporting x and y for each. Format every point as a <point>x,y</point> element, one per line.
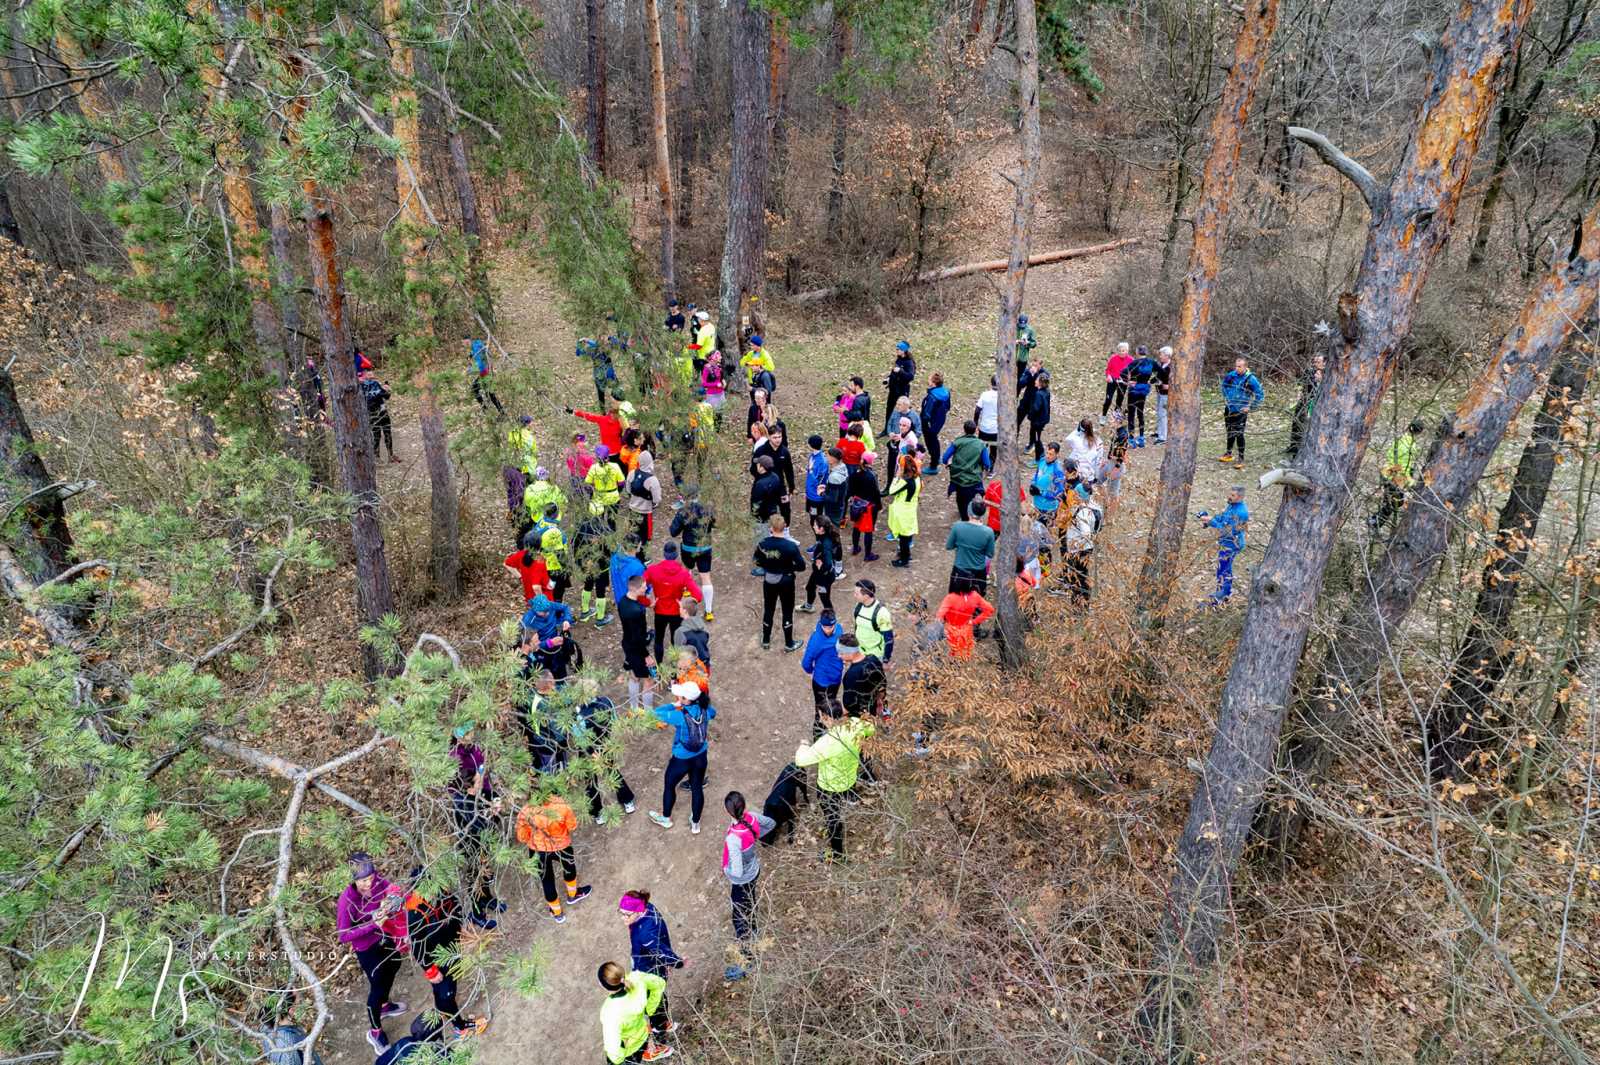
<point>711,380</point>
<point>1116,387</point>
<point>372,922</point>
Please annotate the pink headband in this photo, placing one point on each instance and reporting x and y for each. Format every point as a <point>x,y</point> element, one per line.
<point>629,904</point>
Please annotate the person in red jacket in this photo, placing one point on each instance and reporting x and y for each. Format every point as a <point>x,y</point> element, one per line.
<point>531,567</point>
<point>669,579</point>
<point>610,427</point>
<point>960,612</point>
<point>991,496</point>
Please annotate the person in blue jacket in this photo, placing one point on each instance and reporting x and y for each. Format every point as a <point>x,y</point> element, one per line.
<point>816,477</point>
<point>935,409</point>
<point>1241,394</point>
<point>823,665</point>
<point>1231,525</point>
<point>689,714</point>
<point>547,626</point>
<point>651,946</point>
<point>626,562</point>
<point>1049,484</point>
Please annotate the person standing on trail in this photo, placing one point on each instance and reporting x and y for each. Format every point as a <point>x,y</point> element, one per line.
<point>986,414</point>
<point>435,929</point>
<point>1116,388</point>
<point>638,664</point>
<point>1310,384</point>
<point>602,370</point>
<point>898,381</point>
<point>650,945</point>
<point>586,739</point>
<point>1163,388</point>
<point>604,480</point>
<point>705,337</point>
<point>376,394</point>
<point>779,560</point>
<point>1241,394</point>
<point>967,458</point>
<point>529,566</point>
<point>545,827</point>
<point>669,581</point>
<point>1026,342</point>
<point>631,999</point>
<point>478,352</point>
<point>693,636</point>
<point>973,543</point>
<point>825,559</point>
<point>1398,473</point>
<point>905,494</point>
<point>371,922</point>
<point>1231,526</point>
<point>1077,543</point>
<point>822,663</point>
<point>590,559</point>
<point>961,613</point>
<point>689,714</point>
<point>1038,413</point>
<point>872,622</point>
<point>935,410</point>
<point>610,427</point>
<point>866,500</point>
<point>1086,450</point>
<point>755,361</point>
<point>1139,375</point>
<point>741,865</point>
<point>644,496</point>
<point>775,447</point>
<point>693,524</point>
<point>837,756</point>
<point>713,385</point>
<point>1049,484</point>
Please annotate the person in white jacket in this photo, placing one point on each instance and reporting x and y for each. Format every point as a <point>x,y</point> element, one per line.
<point>1086,449</point>
<point>1077,543</point>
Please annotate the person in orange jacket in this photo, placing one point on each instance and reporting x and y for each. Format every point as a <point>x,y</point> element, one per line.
<point>545,827</point>
<point>960,612</point>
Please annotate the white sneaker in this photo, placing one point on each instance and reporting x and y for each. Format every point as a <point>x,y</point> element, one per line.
<point>664,822</point>
<point>694,828</point>
<point>600,821</point>
<point>628,807</point>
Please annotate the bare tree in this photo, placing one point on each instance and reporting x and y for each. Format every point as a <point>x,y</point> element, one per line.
<point>595,13</point>
<point>1194,316</point>
<point>745,245</point>
<point>683,98</point>
<point>841,123</point>
<point>658,116</point>
<point>778,95</point>
<point>1412,216</point>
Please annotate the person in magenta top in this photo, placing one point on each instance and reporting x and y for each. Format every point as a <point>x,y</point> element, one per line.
<point>1116,388</point>
<point>579,457</point>
<point>372,923</point>
<point>610,427</point>
<point>711,379</point>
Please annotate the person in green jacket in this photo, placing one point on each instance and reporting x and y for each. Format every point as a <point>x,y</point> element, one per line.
<point>837,756</point>
<point>625,1014</point>
<point>1397,475</point>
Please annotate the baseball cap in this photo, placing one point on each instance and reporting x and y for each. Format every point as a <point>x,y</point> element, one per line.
<point>904,345</point>
<point>686,689</point>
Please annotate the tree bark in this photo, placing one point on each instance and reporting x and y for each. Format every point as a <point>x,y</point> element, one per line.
<point>286,284</point>
<point>1457,463</point>
<point>444,539</point>
<point>683,101</point>
<point>1411,221</point>
<point>1013,641</point>
<point>744,247</point>
<point>42,543</point>
<point>471,221</point>
<point>8,220</point>
<point>841,125</point>
<point>778,93</point>
<point>658,117</point>
<point>595,12</point>
<point>1457,726</point>
<point>1250,54</point>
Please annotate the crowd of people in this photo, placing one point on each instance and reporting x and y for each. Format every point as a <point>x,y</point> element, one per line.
<point>588,524</point>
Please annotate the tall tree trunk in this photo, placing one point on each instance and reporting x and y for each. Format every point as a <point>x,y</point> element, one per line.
<point>658,119</point>
<point>778,93</point>
<point>444,539</point>
<point>8,221</point>
<point>744,247</point>
<point>1159,572</point>
<point>471,221</point>
<point>1456,727</point>
<point>286,285</point>
<point>1013,646</point>
<point>975,23</point>
<point>41,542</point>
<point>1411,220</point>
<point>1180,194</point>
<point>841,125</point>
<point>1461,455</point>
<point>595,13</point>
<point>683,107</point>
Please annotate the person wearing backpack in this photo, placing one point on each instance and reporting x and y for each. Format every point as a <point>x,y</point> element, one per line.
<point>377,394</point>
<point>545,827</point>
<point>1077,543</point>
<point>741,865</point>
<point>644,495</point>
<point>669,581</point>
<point>690,716</point>
<point>872,622</point>
<point>837,756</point>
<point>435,929</point>
<point>779,561</point>
<point>935,410</point>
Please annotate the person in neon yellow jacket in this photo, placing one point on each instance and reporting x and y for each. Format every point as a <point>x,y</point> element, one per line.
<point>524,445</point>
<point>837,756</point>
<point>626,1014</point>
<point>1398,474</point>
<point>541,495</point>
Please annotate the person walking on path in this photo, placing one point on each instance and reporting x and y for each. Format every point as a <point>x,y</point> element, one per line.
<point>1163,388</point>
<point>668,581</point>
<point>1140,376</point>
<point>377,394</point>
<point>638,664</point>
<point>689,714</point>
<point>872,623</point>
<point>837,756</point>
<point>1116,388</point>
<point>968,459</point>
<point>825,559</point>
<point>973,543</point>
<point>905,493</point>
<point>602,370</point>
<point>898,381</point>
<point>650,945</point>
<point>545,827</point>
<point>822,664</point>
<point>631,999</point>
<point>644,495</point>
<point>693,525</point>
<point>741,865</point>
<point>1398,473</point>
<point>372,923</point>
<point>1231,526</point>
<point>1038,412</point>
<point>866,500</point>
<point>935,411</point>
<point>960,613</point>
<point>1241,394</point>
<point>778,559</point>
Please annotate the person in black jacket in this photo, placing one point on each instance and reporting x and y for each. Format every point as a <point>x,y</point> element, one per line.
<point>1038,414</point>
<point>1139,375</point>
<point>901,375</point>
<point>766,499</point>
<point>789,793</point>
<point>377,394</point>
<point>587,740</point>
<point>1027,384</point>
<point>778,558</point>
<point>434,926</point>
<point>826,555</point>
<point>636,657</point>
<point>776,448</point>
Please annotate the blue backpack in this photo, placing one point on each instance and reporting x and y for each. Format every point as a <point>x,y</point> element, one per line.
<point>696,730</point>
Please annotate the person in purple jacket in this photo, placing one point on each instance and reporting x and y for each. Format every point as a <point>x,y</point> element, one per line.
<point>368,910</point>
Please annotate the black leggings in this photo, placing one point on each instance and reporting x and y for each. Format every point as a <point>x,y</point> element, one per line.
<point>832,803</point>
<point>547,870</point>
<point>965,494</point>
<point>444,999</point>
<point>826,701</point>
<point>592,788</point>
<point>856,536</point>
<point>1234,422</point>
<point>1116,391</point>
<point>743,897</point>
<point>384,427</point>
<point>1036,438</point>
<point>820,586</point>
<point>678,768</point>
<point>904,543</point>
<point>1136,413</point>
<point>771,595</point>
<point>381,963</point>
<point>666,627</point>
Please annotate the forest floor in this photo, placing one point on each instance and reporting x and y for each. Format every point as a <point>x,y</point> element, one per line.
<point>763,698</point>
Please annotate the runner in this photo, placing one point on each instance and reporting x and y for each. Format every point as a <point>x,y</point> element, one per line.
<point>905,493</point>
<point>693,635</point>
<point>639,666</point>
<point>530,568</point>
<point>689,714</point>
<point>478,352</point>
<point>475,809</point>
<point>1231,526</point>
<point>1310,383</point>
<point>967,458</point>
<point>987,413</point>
<point>837,756</point>
<point>712,384</point>
<point>778,560</point>
<point>1116,388</point>
<point>961,613</point>
<point>1241,394</point>
<point>741,865</point>
<point>610,426</point>
<point>822,664</point>
<point>1398,473</point>
<point>435,930</point>
<point>873,624</point>
<point>578,457</point>
<point>775,447</point>
<point>605,486</point>
<point>545,827</point>
<point>601,368</point>
<point>898,381</point>
<point>755,362</point>
<point>1139,375</point>
<point>650,945</point>
<point>377,394</point>
<point>644,495</point>
<point>866,500</point>
<point>693,525</point>
<point>1086,450</point>
<point>372,924</point>
<point>631,999</point>
<point>973,543</point>
<point>592,561</point>
<point>668,581</point>
<point>546,625</point>
<point>935,409</point>
<point>1049,484</point>
<point>1077,543</point>
<point>588,739</point>
<point>826,555</point>
<point>766,500</point>
<point>1026,342</point>
<point>837,492</point>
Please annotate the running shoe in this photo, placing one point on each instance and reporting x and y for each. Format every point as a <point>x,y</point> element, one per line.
<point>377,1040</point>
<point>694,828</point>
<point>710,616</point>
<point>664,822</point>
<point>671,1028</point>
<point>656,1053</point>
<point>628,807</point>
<point>583,892</point>
<point>392,1009</point>
<point>807,608</point>
<point>792,646</point>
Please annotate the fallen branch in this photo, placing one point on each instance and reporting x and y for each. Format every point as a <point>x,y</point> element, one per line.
<point>72,571</point>
<point>945,273</point>
<point>244,630</point>
<point>282,767</point>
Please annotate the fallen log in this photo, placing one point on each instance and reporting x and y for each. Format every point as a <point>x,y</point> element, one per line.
<point>945,273</point>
